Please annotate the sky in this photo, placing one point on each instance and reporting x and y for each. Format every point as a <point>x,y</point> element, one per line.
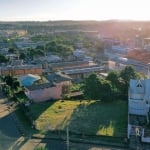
<point>44,10</point>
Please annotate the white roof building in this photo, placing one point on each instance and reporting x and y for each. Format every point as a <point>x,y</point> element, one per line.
<point>139,109</point>
<point>78,53</point>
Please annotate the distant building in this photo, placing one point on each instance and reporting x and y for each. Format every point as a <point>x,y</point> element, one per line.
<point>59,78</point>
<point>120,49</point>
<point>78,45</point>
<point>138,42</point>
<point>114,64</point>
<point>146,42</point>
<point>78,54</point>
<point>81,73</point>
<point>108,41</point>
<point>22,70</point>
<point>53,59</point>
<point>103,75</point>
<point>12,56</point>
<point>18,62</point>
<point>147,47</point>
<point>3,44</point>
<point>71,65</point>
<point>4,51</point>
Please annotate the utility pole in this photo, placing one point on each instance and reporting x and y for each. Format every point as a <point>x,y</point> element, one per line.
<point>45,51</point>
<point>0,80</point>
<point>67,138</point>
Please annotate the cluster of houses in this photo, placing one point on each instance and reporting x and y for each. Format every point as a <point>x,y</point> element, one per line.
<point>57,77</point>
<point>58,73</point>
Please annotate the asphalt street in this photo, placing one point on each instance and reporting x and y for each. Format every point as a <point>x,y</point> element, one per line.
<point>61,145</point>
<point>8,130</point>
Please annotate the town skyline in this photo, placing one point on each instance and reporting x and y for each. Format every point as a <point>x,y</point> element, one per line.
<point>45,10</point>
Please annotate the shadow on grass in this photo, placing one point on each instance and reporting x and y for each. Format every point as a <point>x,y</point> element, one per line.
<point>36,109</point>
<point>92,121</point>
<point>98,118</point>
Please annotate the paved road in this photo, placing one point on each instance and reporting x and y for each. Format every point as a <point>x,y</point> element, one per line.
<point>8,130</point>
<point>61,145</point>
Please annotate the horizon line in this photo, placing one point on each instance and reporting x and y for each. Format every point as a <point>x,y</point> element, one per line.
<point>80,20</point>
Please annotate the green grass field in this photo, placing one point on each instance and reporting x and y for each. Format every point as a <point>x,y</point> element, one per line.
<point>87,117</point>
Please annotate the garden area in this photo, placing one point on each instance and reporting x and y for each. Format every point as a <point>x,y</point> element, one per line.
<point>88,117</point>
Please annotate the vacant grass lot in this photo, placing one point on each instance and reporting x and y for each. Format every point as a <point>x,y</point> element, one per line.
<point>87,117</point>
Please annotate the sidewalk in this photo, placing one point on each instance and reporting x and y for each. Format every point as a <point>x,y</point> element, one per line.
<point>80,140</point>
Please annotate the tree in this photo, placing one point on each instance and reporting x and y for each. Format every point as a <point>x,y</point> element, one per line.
<point>30,52</point>
<point>22,55</point>
<point>113,77</point>
<point>125,75</point>
<point>60,46</point>
<point>105,90</point>
<point>97,88</point>
<point>12,83</point>
<point>91,87</point>
<point>3,59</point>
<point>128,73</point>
<point>12,50</point>
<point>40,47</point>
<point>16,84</point>
<point>39,53</point>
<point>9,80</point>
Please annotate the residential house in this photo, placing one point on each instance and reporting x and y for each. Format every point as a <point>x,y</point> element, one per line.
<point>43,92</point>
<point>139,109</point>
<point>61,79</point>
<point>54,89</point>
